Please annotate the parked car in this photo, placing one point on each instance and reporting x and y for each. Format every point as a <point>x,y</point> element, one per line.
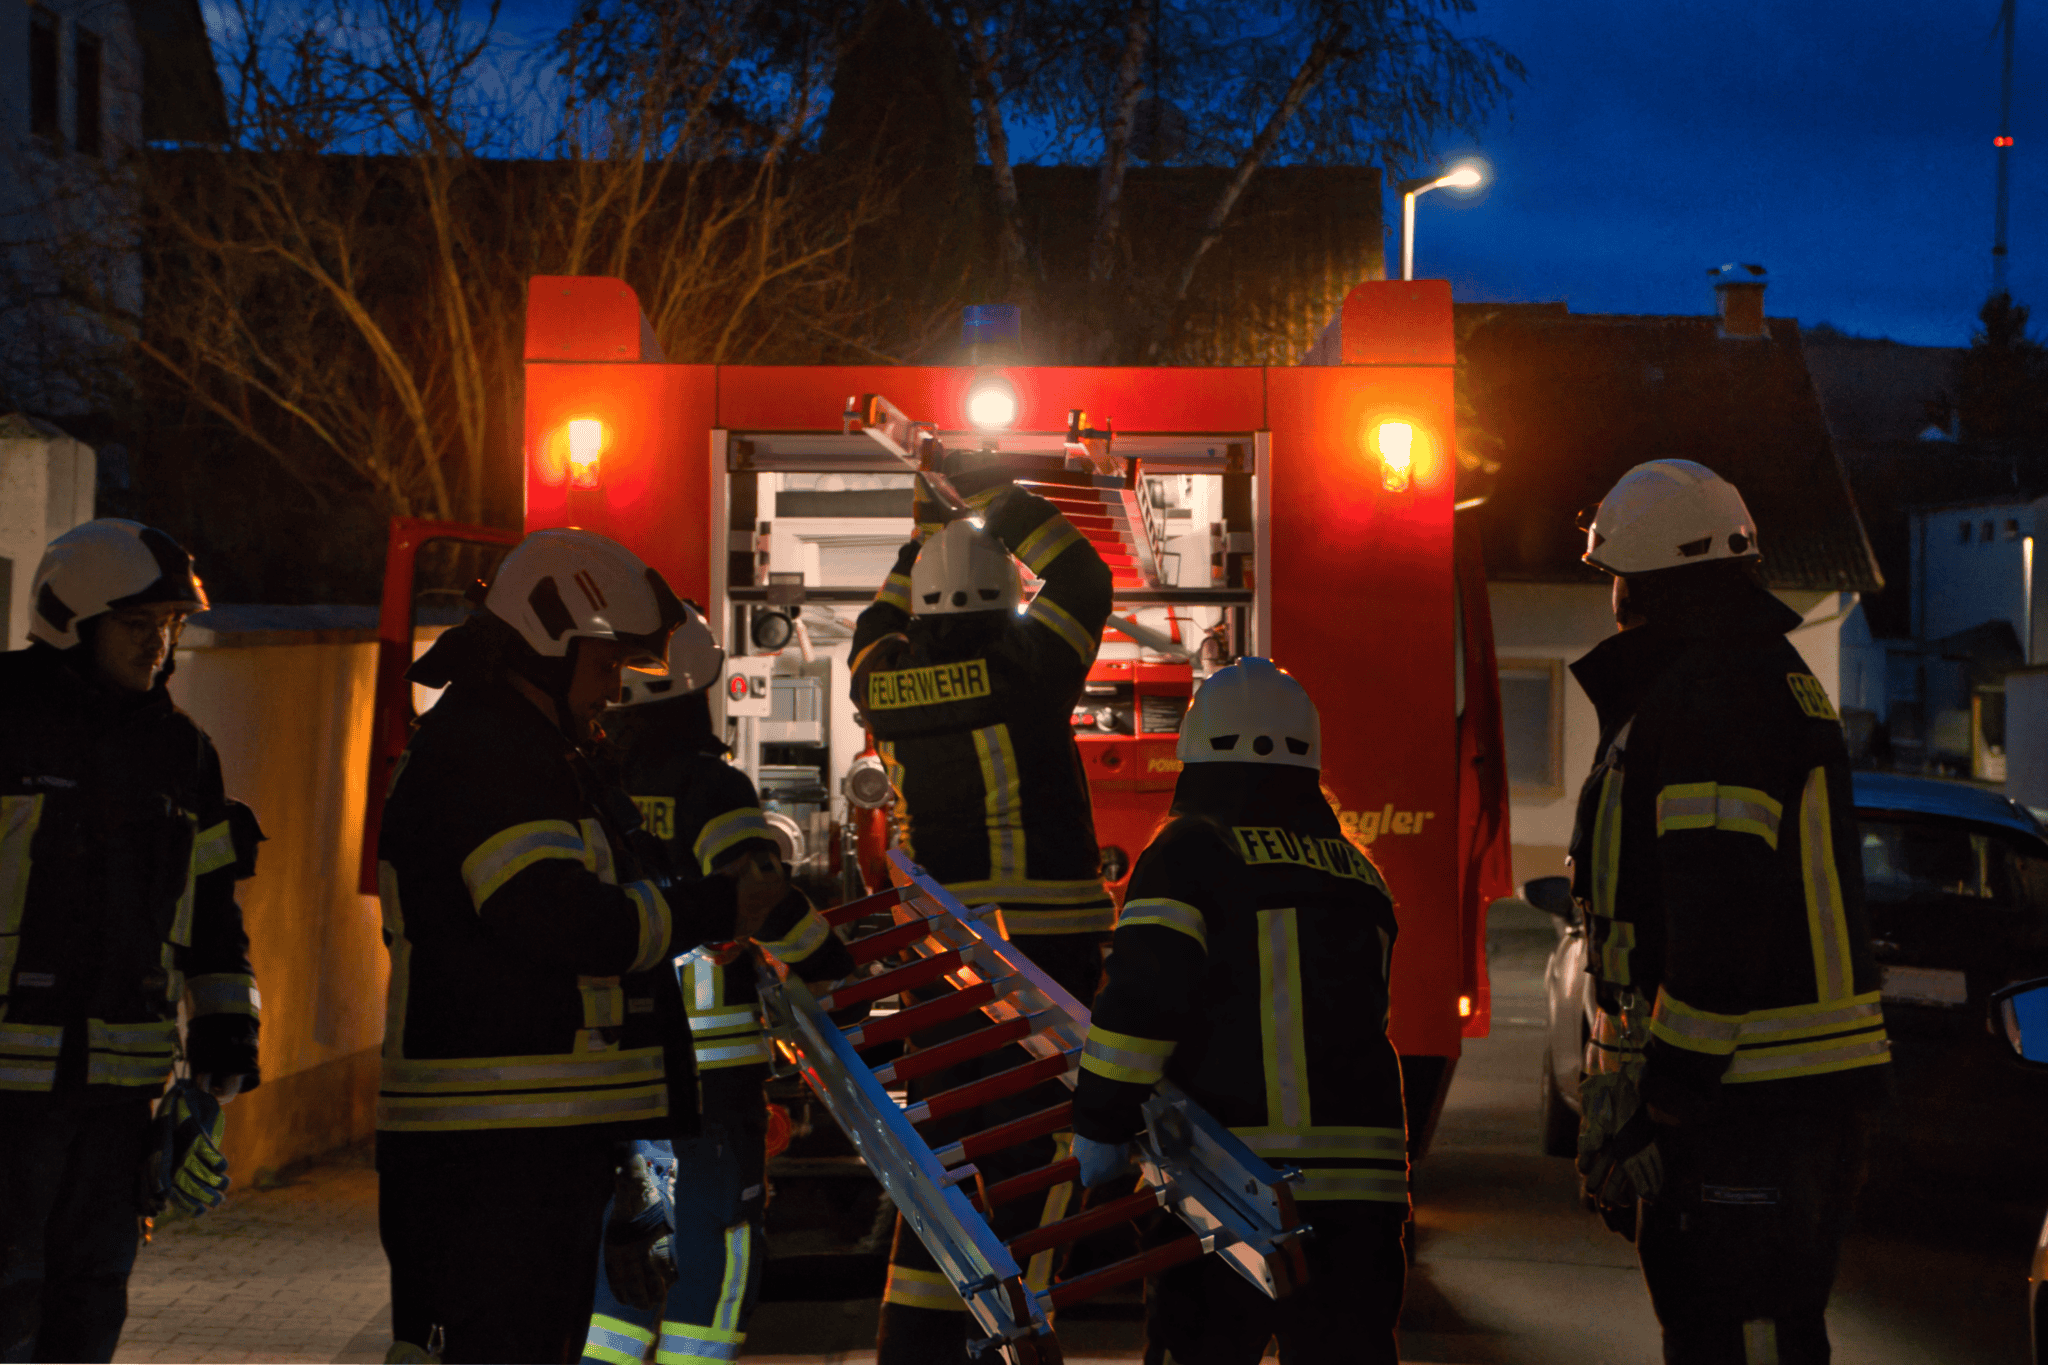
<point>1956,879</point>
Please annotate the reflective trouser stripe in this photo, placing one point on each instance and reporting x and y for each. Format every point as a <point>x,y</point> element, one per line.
<point>684,1344</point>
<point>723,832</point>
<point>1167,914</point>
<point>1284,1043</point>
<point>509,852</point>
<point>1760,1342</point>
<point>922,1289</point>
<point>615,1341</point>
<point>1827,921</point>
<point>28,1055</point>
<point>1002,805</point>
<point>732,1292</point>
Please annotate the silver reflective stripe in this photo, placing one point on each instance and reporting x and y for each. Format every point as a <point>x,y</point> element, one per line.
<point>509,852</point>
<point>707,981</point>
<point>1783,1026</point>
<point>754,1049</point>
<point>805,937</point>
<point>129,1054</point>
<point>224,993</point>
<point>1002,802</point>
<point>724,1021</point>
<point>722,833</point>
<point>1167,914</point>
<point>398,1113</point>
<point>1782,1063</point>
<point>1125,1057</point>
<point>28,1055</point>
<point>732,1292</point>
<point>604,1001</point>
<point>550,1071</point>
<point>686,1344</point>
<point>1383,1144</point>
<point>609,1334</point>
<point>652,909</point>
<point>1698,1030</point>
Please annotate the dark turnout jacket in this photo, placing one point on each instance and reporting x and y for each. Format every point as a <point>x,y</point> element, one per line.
<point>531,985</point>
<point>1250,967</point>
<point>118,858</point>
<point>973,715</point>
<point>1716,854</point>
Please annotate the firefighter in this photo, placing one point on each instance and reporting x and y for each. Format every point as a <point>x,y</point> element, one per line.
<point>971,703</point>
<point>533,1019</point>
<point>1250,966</point>
<point>118,858</point>
<point>1739,1051</point>
<point>714,1186</point>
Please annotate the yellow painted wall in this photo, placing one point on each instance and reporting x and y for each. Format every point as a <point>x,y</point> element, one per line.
<point>292,723</point>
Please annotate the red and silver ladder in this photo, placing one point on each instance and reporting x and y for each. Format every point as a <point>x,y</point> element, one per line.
<point>1234,1204</point>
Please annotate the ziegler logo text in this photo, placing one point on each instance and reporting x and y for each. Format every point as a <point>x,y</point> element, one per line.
<point>1366,826</point>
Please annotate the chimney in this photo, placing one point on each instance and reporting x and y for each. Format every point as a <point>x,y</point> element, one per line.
<point>1739,298</point>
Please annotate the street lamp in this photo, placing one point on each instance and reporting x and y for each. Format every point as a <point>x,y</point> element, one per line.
<point>1463,176</point>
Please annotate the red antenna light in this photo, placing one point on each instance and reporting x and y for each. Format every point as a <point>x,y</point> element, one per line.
<point>2001,141</point>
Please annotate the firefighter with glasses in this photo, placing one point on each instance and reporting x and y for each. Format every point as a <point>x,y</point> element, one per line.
<point>118,857</point>
<point>711,1189</point>
<point>1250,966</point>
<point>1739,1051</point>
<point>971,703</point>
<point>534,1020</point>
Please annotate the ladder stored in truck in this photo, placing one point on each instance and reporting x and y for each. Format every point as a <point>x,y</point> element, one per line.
<point>1234,1204</point>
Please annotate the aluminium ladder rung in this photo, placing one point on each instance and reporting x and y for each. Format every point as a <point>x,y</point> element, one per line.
<point>1074,1228</point>
<point>1046,1121</point>
<point>1153,1262</point>
<point>988,1089</point>
<point>903,1023</point>
<point>873,947</point>
<point>939,1056</point>
<point>1027,1184</point>
<point>879,987</point>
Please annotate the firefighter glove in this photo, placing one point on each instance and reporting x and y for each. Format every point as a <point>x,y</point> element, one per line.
<point>185,1166</point>
<point>1101,1162</point>
<point>1627,1167</point>
<point>639,1250</point>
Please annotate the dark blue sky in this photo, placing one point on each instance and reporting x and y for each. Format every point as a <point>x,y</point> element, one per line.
<point>1846,146</point>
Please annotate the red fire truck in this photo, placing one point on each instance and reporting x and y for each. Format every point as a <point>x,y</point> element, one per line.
<point>1302,512</point>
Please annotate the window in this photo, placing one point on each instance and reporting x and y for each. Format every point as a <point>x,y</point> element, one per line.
<point>85,75</point>
<point>1935,863</point>
<point>2012,529</point>
<point>1989,533</point>
<point>1964,538</point>
<point>43,64</point>
<point>1532,725</point>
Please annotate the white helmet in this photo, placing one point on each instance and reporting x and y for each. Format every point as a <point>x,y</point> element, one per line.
<point>694,663</point>
<point>562,585</point>
<point>1667,513</point>
<point>963,568</point>
<point>103,566</point>
<point>1252,712</point>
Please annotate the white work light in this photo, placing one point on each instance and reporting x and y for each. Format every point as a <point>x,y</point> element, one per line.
<point>991,402</point>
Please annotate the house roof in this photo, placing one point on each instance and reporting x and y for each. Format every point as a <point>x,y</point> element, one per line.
<point>1575,400</point>
<point>1876,391</point>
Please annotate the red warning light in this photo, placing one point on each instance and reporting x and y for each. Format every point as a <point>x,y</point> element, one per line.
<point>2001,141</point>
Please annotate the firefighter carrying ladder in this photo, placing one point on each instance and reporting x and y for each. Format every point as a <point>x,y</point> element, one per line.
<point>1234,1204</point>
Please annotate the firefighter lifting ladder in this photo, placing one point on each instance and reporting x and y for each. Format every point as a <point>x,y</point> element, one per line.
<point>1234,1204</point>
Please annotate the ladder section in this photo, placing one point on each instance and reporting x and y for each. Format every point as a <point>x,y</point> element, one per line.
<point>958,964</point>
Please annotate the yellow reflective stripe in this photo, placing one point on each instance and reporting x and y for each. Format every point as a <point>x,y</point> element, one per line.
<point>1616,939</point>
<point>130,1054</point>
<point>1046,891</point>
<point>509,852</point>
<point>604,1001</point>
<point>1760,1335</point>
<point>1762,1027</point>
<point>1827,921</point>
<point>1002,804</point>
<point>707,982</point>
<point>1281,1034</point>
<point>19,816</point>
<point>1167,914</point>
<point>804,938</point>
<point>724,1021</point>
<point>1046,542</point>
<point>213,850</point>
<point>651,907</point>
<point>468,1113</point>
<point>1368,1144</point>
<point>181,918</point>
<point>716,1056</point>
<point>1125,1056</point>
<point>1038,1271</point>
<point>921,1289</point>
<point>547,1071</point>
<point>722,832</point>
<point>1696,1030</point>
<point>1061,622</point>
<point>732,1293</point>
<point>28,1055</point>
<point>895,592</point>
<point>1351,1182</point>
<point>1816,1058</point>
<point>224,993</point>
<point>1606,871</point>
<point>615,1341</point>
<point>1708,805</point>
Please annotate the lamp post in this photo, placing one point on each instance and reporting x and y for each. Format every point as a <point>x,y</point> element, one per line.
<point>1463,176</point>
